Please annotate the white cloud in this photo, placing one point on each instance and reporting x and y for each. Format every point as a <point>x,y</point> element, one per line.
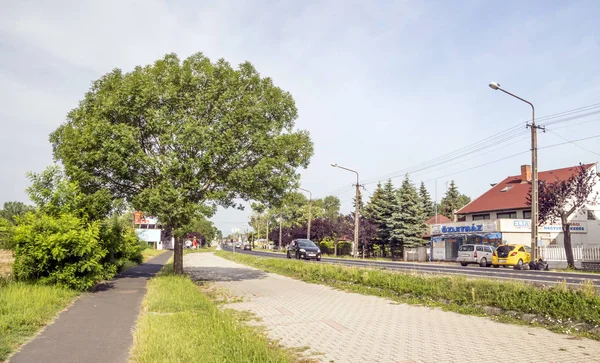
<point>381,86</point>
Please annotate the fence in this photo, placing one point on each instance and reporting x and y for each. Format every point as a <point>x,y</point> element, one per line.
<point>580,253</point>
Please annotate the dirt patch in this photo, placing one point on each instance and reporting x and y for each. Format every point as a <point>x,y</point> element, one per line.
<point>6,262</point>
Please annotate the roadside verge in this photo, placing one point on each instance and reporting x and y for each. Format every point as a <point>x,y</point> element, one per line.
<point>180,322</point>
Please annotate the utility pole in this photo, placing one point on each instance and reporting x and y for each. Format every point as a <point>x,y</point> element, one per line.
<point>309,212</point>
<point>268,217</point>
<point>534,172</point>
<point>280,227</point>
<point>356,207</point>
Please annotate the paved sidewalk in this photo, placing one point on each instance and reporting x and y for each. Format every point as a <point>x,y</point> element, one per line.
<point>348,327</point>
<point>99,326</point>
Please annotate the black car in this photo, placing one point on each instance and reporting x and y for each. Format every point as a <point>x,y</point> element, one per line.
<point>303,248</point>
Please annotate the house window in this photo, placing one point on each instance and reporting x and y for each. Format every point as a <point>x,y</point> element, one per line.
<point>507,215</point>
<point>591,215</point>
<point>527,214</point>
<point>479,217</point>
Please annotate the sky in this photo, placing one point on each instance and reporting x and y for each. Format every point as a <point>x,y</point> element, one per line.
<point>383,87</point>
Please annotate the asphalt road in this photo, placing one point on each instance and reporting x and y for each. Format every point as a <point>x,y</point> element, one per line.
<point>474,271</point>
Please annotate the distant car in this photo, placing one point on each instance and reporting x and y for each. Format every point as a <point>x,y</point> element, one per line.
<point>511,255</point>
<point>480,254</point>
<point>305,249</point>
<point>248,247</point>
<point>238,245</point>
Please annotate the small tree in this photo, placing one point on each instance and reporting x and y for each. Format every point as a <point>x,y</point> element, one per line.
<point>408,224</point>
<point>560,199</point>
<point>379,210</point>
<point>453,200</point>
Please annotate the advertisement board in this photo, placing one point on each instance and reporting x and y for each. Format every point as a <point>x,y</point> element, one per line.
<point>475,227</point>
<point>148,235</point>
<point>524,225</point>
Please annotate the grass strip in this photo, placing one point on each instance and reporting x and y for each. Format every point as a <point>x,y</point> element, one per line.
<point>25,309</point>
<point>179,323</point>
<point>556,307</point>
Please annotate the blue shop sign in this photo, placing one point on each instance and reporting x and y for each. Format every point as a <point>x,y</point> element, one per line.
<point>463,229</point>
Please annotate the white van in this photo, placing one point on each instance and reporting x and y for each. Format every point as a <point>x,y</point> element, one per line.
<point>480,254</point>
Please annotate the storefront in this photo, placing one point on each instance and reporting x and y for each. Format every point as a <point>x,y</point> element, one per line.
<point>518,231</point>
<point>447,238</point>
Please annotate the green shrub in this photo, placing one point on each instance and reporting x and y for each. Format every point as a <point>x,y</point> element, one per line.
<point>327,246</point>
<point>63,250</point>
<point>121,244</point>
<point>6,234</point>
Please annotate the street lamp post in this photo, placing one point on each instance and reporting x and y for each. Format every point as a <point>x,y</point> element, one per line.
<point>356,207</point>
<point>534,172</point>
<point>309,211</point>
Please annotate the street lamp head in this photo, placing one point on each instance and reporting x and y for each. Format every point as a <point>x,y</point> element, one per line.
<point>334,165</point>
<point>494,86</point>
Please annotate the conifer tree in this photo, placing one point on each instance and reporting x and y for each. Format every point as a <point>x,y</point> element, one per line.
<point>379,210</point>
<point>426,202</point>
<point>408,225</point>
<point>453,201</point>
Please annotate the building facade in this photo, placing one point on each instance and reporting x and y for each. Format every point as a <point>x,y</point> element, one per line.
<point>502,216</point>
<point>150,230</point>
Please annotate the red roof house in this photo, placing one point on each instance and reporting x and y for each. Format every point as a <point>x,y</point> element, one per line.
<point>511,193</point>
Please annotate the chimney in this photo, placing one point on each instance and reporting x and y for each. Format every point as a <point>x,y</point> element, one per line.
<point>525,174</point>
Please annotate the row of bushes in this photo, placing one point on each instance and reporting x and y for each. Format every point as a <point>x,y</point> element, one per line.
<point>69,251</point>
<point>327,246</point>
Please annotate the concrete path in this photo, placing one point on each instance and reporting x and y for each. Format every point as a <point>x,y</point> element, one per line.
<point>348,327</point>
<point>99,325</point>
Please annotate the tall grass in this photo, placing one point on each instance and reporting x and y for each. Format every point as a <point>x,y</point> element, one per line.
<point>179,323</point>
<point>25,309</point>
<point>465,295</point>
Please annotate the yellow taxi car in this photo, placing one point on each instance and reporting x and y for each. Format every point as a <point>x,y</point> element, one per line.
<point>511,255</point>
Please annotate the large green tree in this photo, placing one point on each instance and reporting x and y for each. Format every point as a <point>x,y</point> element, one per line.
<point>407,221</point>
<point>177,138</point>
<point>453,201</point>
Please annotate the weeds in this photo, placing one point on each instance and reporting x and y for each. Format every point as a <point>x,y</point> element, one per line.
<point>180,323</point>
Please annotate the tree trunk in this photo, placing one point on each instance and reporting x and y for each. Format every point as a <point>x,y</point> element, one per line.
<point>335,248</point>
<point>178,256</point>
<point>566,227</point>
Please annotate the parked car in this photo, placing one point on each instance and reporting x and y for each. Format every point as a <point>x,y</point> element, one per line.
<point>303,248</point>
<point>480,254</point>
<point>248,247</point>
<point>511,255</point>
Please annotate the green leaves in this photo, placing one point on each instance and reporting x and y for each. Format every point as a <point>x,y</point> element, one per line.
<point>178,138</point>
<point>62,250</point>
<point>453,201</point>
<point>407,221</point>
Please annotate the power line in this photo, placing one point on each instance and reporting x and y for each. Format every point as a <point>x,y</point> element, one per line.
<point>487,151</point>
<point>480,165</point>
<point>497,139</point>
<point>517,154</point>
<point>572,142</point>
<point>503,136</point>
